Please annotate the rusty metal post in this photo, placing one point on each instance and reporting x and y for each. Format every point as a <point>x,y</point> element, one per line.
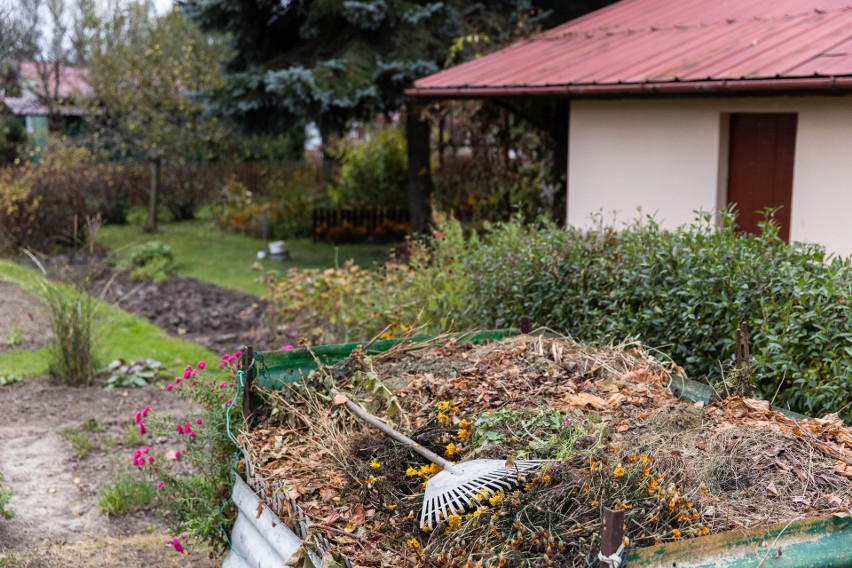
<point>612,531</point>
<point>526,324</point>
<point>247,365</point>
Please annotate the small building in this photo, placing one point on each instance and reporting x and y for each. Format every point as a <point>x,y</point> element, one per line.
<point>685,105</point>
<point>49,100</point>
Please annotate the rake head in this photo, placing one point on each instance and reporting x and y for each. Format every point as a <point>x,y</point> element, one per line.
<point>453,491</point>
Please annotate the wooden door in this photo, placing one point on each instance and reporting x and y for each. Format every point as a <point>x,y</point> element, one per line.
<point>760,168</point>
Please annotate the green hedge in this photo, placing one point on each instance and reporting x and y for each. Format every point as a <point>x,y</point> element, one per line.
<point>683,292</point>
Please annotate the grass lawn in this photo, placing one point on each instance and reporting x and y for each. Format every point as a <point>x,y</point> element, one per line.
<point>122,335</point>
<point>205,253</point>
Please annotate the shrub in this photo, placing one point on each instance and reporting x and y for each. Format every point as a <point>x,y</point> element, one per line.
<point>193,483</point>
<point>374,171</point>
<point>683,292</point>
<point>125,494</point>
<point>151,260</point>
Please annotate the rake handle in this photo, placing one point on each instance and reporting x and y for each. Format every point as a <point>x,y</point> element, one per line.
<point>402,439</point>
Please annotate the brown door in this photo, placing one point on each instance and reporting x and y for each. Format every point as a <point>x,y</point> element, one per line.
<point>760,168</point>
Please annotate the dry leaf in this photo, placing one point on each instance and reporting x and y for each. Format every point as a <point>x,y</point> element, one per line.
<point>772,489</point>
<point>584,399</point>
<point>339,399</point>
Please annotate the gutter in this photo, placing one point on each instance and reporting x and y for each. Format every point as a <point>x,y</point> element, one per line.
<point>724,86</point>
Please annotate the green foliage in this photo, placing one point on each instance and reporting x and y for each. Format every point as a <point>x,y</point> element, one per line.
<point>374,171</point>
<point>13,139</point>
<point>194,483</point>
<point>72,320</point>
<point>10,379</point>
<point>133,374</point>
<point>683,292</point>
<point>539,433</point>
<point>80,442</point>
<point>125,494</point>
<point>151,260</point>
<point>5,495</point>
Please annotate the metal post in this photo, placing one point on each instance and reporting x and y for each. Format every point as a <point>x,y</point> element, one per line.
<point>612,531</point>
<point>247,366</point>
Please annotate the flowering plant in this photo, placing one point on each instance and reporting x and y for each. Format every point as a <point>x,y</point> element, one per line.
<point>193,478</point>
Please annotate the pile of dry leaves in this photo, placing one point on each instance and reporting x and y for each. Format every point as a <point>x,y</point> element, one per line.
<point>617,435</point>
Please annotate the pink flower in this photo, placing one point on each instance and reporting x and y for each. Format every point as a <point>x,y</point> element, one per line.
<point>226,357</point>
<point>179,429</point>
<point>221,396</point>
<point>233,358</point>
<point>198,421</point>
<point>183,536</point>
<point>146,410</point>
<point>178,380</point>
<point>138,417</point>
<point>237,354</point>
<point>177,545</point>
<point>177,455</point>
<point>150,459</point>
<point>160,485</point>
<point>286,348</point>
<point>137,453</point>
<point>187,373</point>
<point>187,428</point>
<point>201,365</point>
<point>221,365</point>
<point>169,387</point>
<point>438,235</point>
<point>192,434</point>
<point>142,429</point>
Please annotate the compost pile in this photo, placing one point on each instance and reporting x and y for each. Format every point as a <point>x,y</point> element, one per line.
<point>607,417</point>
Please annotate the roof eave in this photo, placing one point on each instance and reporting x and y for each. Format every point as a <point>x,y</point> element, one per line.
<point>724,86</point>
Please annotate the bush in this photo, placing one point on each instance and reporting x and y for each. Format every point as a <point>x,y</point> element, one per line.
<point>193,484</point>
<point>374,171</point>
<point>151,260</point>
<point>684,292</point>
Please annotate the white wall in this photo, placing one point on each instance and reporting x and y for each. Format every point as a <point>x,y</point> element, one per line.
<point>669,158</point>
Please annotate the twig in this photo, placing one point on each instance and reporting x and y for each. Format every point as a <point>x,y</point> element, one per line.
<point>774,542</point>
<point>376,337</point>
<point>724,382</point>
<point>831,450</point>
<point>359,539</point>
<point>781,384</point>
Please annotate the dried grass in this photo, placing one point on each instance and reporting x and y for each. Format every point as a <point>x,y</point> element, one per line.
<point>680,469</point>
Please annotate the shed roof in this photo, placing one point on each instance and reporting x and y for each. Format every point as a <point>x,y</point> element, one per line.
<point>669,46</point>
<point>73,81</point>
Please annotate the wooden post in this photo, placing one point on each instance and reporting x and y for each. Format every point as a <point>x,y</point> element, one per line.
<point>612,531</point>
<point>248,389</point>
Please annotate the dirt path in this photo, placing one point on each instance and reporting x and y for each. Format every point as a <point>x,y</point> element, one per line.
<point>57,520</point>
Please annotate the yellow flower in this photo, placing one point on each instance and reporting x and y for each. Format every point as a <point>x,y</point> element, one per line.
<point>375,465</point>
<point>451,449</point>
<point>443,418</point>
<point>410,514</point>
<point>413,543</point>
<point>453,521</point>
<point>464,424</point>
<point>433,468</point>
<point>618,471</point>
<point>443,405</point>
<point>463,434</point>
<point>411,472</point>
<point>676,534</point>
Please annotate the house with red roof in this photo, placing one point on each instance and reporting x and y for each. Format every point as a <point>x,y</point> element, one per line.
<point>48,90</point>
<point>684,105</point>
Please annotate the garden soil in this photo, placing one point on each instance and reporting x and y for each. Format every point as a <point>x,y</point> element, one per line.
<point>57,520</point>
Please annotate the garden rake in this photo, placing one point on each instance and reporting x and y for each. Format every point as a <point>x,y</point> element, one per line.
<point>459,486</point>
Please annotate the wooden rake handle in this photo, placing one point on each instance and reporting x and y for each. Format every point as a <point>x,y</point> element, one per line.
<point>402,439</point>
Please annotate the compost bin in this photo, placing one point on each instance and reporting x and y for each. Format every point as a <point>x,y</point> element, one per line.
<point>324,495</point>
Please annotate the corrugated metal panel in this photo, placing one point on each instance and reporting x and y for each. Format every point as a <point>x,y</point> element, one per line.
<point>258,541</point>
<point>644,43</point>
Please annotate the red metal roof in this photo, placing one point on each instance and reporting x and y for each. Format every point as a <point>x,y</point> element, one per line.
<point>73,81</point>
<point>669,46</point>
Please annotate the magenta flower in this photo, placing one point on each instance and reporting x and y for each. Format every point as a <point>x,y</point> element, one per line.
<point>160,485</point>
<point>192,434</point>
<point>179,429</point>
<point>142,429</point>
<point>169,387</point>
<point>237,354</point>
<point>221,365</point>
<point>286,348</point>
<point>145,449</point>
<point>187,373</point>
<point>138,417</point>
<point>177,455</point>
<point>177,545</point>
<point>201,365</point>
<point>187,428</point>
<point>146,410</point>
<point>198,421</point>
<point>150,459</point>
<point>226,356</point>
<point>183,536</point>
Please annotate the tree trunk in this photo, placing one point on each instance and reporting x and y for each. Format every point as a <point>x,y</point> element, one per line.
<point>151,225</point>
<point>419,174</point>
